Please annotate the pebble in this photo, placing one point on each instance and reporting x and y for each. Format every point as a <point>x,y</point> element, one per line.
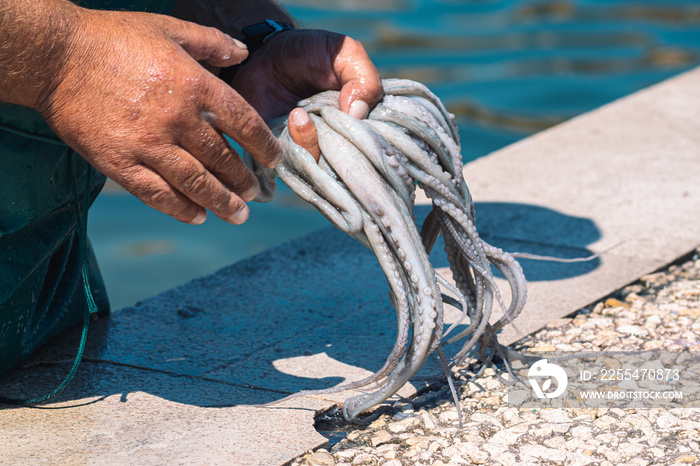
<point>542,452</point>
<point>580,459</point>
<point>610,453</point>
<point>576,444</point>
<point>483,418</point>
<point>632,330</point>
<point>477,455</point>
<point>430,422</point>
<point>419,443</point>
<point>508,436</point>
<point>629,449</point>
<point>494,449</point>
<point>582,432</point>
<point>666,421</point>
<point>555,415</point>
<point>662,311</point>
<point>506,458</point>
<point>612,302</point>
<point>401,426</point>
<point>362,458</point>
<point>686,459</point>
<point>345,454</point>
<point>321,458</point>
<point>637,420</point>
<point>542,431</point>
<point>605,421</point>
<point>618,413</point>
<point>381,437</point>
<point>388,451</point>
<point>555,442</point>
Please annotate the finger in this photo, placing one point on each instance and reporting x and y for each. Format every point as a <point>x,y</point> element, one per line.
<point>187,175</point>
<point>154,191</point>
<point>361,85</point>
<point>232,115</point>
<point>217,155</point>
<point>303,132</point>
<point>206,44</point>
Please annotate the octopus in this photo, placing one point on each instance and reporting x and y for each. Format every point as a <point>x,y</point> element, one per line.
<point>365,185</point>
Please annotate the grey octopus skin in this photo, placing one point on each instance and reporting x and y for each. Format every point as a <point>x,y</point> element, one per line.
<point>364,183</point>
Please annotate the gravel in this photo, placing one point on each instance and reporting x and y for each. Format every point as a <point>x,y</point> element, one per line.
<point>661,310</point>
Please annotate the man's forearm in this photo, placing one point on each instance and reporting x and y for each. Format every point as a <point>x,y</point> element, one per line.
<point>230,16</point>
<point>34,40</point>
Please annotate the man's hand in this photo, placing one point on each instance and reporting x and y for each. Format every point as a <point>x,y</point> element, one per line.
<point>133,100</point>
<point>300,63</point>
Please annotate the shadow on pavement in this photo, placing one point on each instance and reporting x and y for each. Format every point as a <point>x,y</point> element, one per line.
<point>218,340</point>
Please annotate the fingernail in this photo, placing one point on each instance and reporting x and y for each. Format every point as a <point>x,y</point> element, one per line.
<point>240,44</point>
<point>300,117</point>
<point>359,109</point>
<point>277,160</point>
<point>251,193</point>
<point>240,216</point>
<point>199,219</point>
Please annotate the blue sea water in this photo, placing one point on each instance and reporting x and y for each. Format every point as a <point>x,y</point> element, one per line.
<point>505,68</point>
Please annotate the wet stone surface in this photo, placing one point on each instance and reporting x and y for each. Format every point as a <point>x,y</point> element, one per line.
<point>660,311</point>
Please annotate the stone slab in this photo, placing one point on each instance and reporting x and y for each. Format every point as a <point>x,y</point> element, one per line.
<point>116,414</point>
<point>175,379</point>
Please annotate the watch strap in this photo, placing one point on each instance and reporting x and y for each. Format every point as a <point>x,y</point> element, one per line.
<point>255,35</point>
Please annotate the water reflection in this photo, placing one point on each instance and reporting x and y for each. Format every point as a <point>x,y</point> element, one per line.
<point>573,55</point>
<point>352,5</point>
<point>391,38</point>
<point>659,12</point>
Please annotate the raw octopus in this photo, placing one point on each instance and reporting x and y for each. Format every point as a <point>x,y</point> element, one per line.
<point>365,183</point>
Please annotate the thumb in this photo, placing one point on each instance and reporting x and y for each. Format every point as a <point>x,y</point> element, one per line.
<point>303,132</point>
<point>361,86</point>
<point>204,43</point>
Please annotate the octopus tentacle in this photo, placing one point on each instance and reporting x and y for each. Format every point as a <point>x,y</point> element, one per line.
<point>407,87</point>
<point>428,135</point>
<point>316,103</point>
<point>366,140</point>
<point>513,272</point>
<point>301,173</point>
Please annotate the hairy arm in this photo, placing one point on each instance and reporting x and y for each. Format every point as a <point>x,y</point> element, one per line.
<point>34,39</point>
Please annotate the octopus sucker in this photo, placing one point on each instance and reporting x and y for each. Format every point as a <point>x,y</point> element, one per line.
<point>365,183</point>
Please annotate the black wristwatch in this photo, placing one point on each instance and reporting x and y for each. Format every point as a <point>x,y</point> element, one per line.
<point>255,36</point>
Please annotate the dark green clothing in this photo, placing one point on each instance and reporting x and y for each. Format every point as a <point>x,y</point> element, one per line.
<point>41,290</point>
